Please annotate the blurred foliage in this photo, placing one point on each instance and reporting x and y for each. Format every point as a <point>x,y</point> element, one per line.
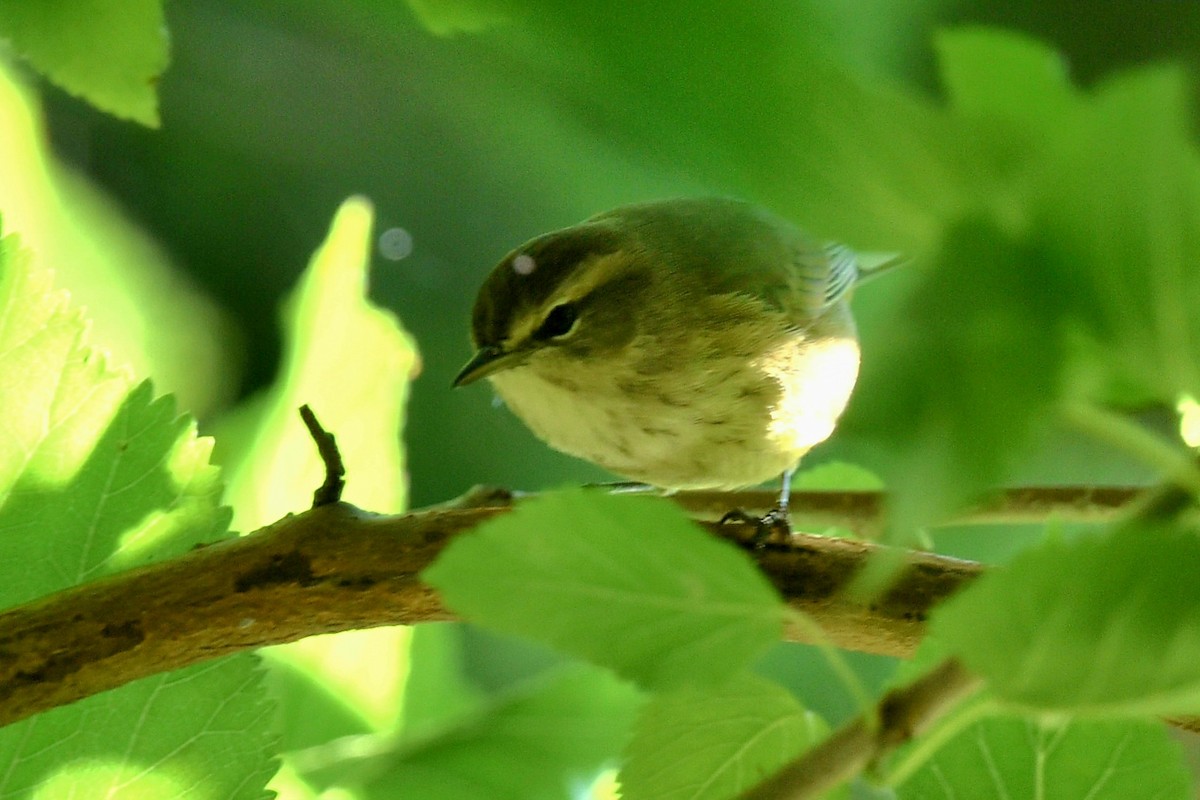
<point>139,303</point>
<point>71,43</point>
<point>1038,164</point>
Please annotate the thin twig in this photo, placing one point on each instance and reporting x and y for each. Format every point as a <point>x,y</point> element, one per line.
<point>335,471</point>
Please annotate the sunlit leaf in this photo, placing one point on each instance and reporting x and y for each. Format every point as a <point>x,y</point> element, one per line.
<point>57,396</point>
<point>352,363</point>
<point>445,17</point>
<point>98,477</point>
<point>138,303</point>
<point>1189,420</point>
<point>137,478</point>
<point>145,490</point>
<point>202,731</point>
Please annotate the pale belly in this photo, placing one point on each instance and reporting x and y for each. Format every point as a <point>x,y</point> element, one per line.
<point>723,427</point>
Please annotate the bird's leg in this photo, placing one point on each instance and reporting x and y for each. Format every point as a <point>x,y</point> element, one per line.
<point>775,520</point>
<point>779,513</point>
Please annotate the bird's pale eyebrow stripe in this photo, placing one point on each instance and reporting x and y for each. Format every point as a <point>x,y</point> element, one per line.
<point>599,270</point>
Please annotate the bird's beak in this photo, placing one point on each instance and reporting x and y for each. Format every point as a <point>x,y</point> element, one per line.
<point>488,361</point>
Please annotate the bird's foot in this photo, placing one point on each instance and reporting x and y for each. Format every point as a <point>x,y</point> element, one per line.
<point>774,523</point>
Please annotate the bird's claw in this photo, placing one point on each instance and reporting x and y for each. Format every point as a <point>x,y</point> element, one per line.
<point>774,522</point>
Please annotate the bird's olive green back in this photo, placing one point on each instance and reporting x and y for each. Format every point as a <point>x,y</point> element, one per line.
<point>732,246</point>
<point>715,245</point>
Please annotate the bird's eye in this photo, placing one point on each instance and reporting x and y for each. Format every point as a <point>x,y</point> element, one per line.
<point>559,322</point>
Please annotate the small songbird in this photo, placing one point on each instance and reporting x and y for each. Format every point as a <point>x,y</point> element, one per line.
<point>688,344</point>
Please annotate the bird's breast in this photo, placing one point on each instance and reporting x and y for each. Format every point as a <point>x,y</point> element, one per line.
<point>709,420</point>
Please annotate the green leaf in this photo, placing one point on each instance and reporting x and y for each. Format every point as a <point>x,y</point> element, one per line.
<point>1010,757</point>
<point>56,396</point>
<point>1118,210</point>
<point>109,52</point>
<point>1106,185</point>
<point>203,731</point>
<point>969,367</point>
<point>626,582</point>
<point>1100,625</point>
<point>1001,75</point>
<point>446,17</point>
<point>95,478</point>
<point>145,491</point>
<point>836,476</point>
<point>542,740</point>
<point>1074,280</point>
<point>714,743</point>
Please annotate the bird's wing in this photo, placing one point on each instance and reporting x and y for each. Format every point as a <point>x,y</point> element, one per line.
<point>822,275</point>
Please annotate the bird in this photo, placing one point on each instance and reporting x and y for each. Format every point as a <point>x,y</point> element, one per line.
<point>687,343</point>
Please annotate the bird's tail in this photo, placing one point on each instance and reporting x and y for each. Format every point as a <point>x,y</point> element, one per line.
<point>872,265</point>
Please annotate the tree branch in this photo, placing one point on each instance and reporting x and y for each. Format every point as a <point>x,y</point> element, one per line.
<point>336,568</point>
